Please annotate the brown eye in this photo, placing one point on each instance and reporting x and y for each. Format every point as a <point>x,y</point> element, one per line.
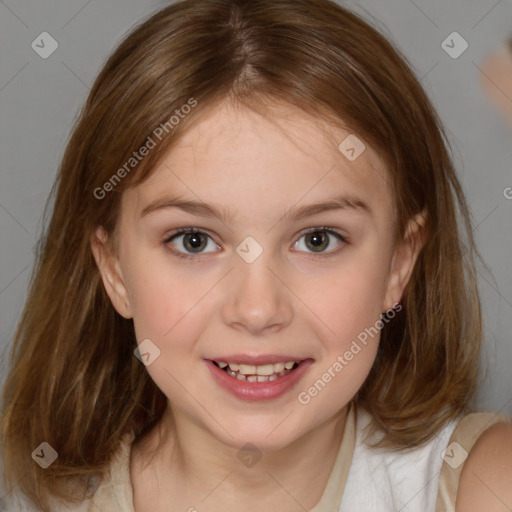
<point>190,241</point>
<point>318,239</point>
<point>194,242</point>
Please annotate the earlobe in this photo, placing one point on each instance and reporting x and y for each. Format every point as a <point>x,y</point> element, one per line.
<point>404,259</point>
<point>110,271</point>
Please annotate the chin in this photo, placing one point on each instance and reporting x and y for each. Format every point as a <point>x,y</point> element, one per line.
<point>268,435</point>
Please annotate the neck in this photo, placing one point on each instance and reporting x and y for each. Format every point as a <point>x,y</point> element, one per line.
<point>197,469</point>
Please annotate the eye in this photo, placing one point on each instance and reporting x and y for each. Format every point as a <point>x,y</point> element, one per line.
<point>193,241</point>
<point>318,238</point>
<point>188,242</point>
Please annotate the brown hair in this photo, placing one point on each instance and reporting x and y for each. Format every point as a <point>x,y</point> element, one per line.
<point>74,381</point>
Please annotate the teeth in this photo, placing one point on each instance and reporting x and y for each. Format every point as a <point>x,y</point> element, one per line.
<point>246,369</point>
<point>263,370</point>
<point>257,378</point>
<point>261,373</point>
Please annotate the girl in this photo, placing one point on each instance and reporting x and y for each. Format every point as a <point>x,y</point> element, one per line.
<point>252,291</point>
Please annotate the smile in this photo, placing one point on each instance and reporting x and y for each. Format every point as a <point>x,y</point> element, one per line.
<point>256,382</point>
<point>261,373</point>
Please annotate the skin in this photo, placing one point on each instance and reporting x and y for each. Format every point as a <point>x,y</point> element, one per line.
<point>290,300</point>
<point>484,484</point>
<point>496,80</point>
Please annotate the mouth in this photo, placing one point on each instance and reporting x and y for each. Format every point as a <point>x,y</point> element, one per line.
<point>260,378</point>
<point>257,373</point>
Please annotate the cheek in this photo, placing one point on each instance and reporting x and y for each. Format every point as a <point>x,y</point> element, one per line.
<point>349,305</point>
<point>350,299</point>
<point>169,310</point>
<point>349,309</point>
<point>163,299</point>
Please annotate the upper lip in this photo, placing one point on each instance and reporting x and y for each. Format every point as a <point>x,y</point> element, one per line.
<point>258,360</point>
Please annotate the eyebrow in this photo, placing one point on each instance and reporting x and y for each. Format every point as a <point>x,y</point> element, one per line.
<point>199,208</point>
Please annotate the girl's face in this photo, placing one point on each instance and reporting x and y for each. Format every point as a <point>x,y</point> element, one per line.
<point>250,284</point>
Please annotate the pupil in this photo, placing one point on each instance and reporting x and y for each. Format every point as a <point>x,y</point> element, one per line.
<point>318,238</point>
<point>193,240</point>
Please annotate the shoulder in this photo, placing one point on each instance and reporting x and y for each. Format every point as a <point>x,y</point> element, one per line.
<point>485,482</point>
<point>393,479</point>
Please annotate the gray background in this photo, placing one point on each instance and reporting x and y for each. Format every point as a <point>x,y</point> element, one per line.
<point>40,98</point>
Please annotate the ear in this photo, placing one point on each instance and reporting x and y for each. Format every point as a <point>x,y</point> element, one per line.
<point>110,270</point>
<point>404,258</point>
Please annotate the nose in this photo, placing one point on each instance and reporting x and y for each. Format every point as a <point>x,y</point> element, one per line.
<point>258,300</point>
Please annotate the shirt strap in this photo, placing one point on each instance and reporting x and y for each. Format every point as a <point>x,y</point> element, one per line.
<point>333,493</point>
<point>464,437</point>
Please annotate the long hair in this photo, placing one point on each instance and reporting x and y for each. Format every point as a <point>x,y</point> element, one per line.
<point>74,381</point>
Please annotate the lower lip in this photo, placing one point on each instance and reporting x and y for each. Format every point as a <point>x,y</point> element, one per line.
<point>258,390</point>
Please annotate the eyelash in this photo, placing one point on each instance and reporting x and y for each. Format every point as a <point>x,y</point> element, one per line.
<point>188,230</point>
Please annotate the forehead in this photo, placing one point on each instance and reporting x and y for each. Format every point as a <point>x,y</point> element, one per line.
<point>264,161</point>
